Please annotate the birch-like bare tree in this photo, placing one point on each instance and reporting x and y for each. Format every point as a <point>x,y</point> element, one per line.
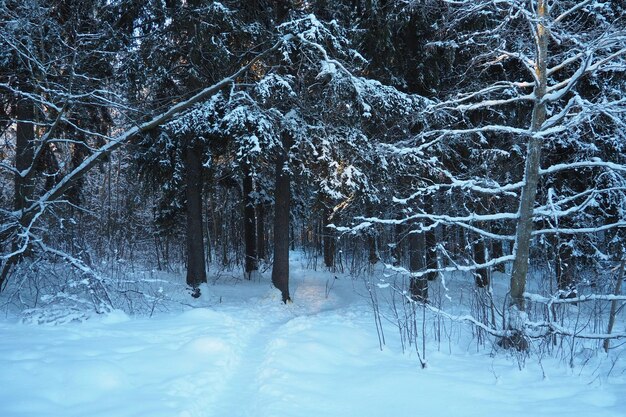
<point>541,87</point>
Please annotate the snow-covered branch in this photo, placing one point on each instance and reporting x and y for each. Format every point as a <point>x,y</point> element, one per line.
<point>536,298</point>
<point>59,189</point>
<point>594,163</point>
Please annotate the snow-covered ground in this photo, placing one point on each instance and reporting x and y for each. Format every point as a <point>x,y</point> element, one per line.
<point>240,352</point>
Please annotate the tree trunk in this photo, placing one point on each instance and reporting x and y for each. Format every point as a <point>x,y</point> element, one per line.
<point>372,244</point>
<point>260,231</point>
<point>481,276</point>
<point>24,153</point>
<point>431,254</point>
<point>618,290</point>
<point>282,201</point>
<point>329,239</point>
<point>372,234</point>
<point>78,153</point>
<point>431,245</point>
<point>249,224</point>
<point>565,269</point>
<point>496,249</point>
<point>196,271</point>
<point>531,169</point>
<point>418,286</point>
<point>396,252</point>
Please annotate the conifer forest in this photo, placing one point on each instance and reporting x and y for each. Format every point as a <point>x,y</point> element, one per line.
<point>430,178</point>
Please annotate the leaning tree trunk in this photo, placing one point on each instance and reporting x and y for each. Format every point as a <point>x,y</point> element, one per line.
<point>249,224</point>
<point>196,271</point>
<point>531,169</point>
<point>282,201</point>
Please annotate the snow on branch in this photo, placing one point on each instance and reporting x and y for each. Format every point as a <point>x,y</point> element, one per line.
<point>458,104</point>
<point>455,268</point>
<point>529,328</point>
<point>594,163</point>
<point>59,189</point>
<point>536,298</point>
<point>580,230</point>
<point>485,186</point>
<point>23,221</point>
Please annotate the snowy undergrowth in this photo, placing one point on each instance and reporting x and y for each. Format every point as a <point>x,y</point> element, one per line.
<point>237,351</point>
<point>455,301</point>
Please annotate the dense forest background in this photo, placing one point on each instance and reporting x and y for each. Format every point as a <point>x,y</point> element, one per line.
<point>431,136</point>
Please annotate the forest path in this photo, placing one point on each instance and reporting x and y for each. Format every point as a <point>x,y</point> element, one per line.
<point>241,352</point>
<point>247,388</point>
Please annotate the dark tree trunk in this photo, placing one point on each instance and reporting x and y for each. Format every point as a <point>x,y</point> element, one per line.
<point>24,153</point>
<point>431,246</point>
<point>481,276</point>
<point>372,242</point>
<point>614,308</point>
<point>496,249</point>
<point>260,231</point>
<point>329,239</point>
<point>249,224</point>
<point>282,201</point>
<point>396,252</point>
<point>51,167</point>
<point>196,271</point>
<point>78,155</point>
<point>418,286</point>
<point>318,236</point>
<point>566,269</point>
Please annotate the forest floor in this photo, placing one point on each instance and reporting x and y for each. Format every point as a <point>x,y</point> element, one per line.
<point>240,352</point>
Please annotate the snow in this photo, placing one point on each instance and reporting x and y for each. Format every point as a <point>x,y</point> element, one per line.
<point>240,352</point>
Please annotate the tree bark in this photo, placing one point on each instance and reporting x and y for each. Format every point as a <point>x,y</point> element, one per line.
<point>418,286</point>
<point>196,271</point>
<point>618,290</point>
<point>260,231</point>
<point>496,249</point>
<point>282,202</point>
<point>24,153</point>
<point>565,268</point>
<point>329,239</point>
<point>481,276</point>
<point>372,234</point>
<point>78,153</point>
<point>431,245</point>
<point>531,169</point>
<point>397,248</point>
<point>249,223</point>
